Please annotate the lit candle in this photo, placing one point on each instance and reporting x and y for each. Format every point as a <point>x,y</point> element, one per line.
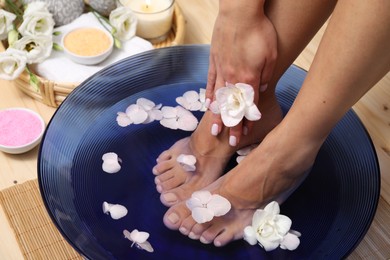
<point>154,18</point>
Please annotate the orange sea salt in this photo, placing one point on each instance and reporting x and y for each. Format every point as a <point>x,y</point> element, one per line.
<point>87,41</point>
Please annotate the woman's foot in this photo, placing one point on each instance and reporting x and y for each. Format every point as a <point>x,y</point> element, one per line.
<point>212,154</point>
<point>270,172</point>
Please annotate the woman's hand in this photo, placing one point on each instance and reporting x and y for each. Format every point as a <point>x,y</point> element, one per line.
<point>243,50</point>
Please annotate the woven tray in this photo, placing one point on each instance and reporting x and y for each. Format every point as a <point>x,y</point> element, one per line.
<point>53,93</point>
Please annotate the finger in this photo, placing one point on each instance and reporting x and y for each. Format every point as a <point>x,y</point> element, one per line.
<point>217,124</point>
<point>211,81</point>
<point>235,134</point>
<point>267,72</point>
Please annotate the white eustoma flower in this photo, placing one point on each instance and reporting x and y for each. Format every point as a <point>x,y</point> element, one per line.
<point>139,238</point>
<point>205,206</point>
<point>187,161</point>
<point>37,20</point>
<point>12,63</point>
<point>111,163</point>
<point>124,22</point>
<point>178,118</point>
<point>116,211</point>
<point>36,48</point>
<point>268,228</point>
<point>234,102</point>
<point>6,20</point>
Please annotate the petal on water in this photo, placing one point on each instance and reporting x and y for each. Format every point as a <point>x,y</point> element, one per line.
<point>139,236</point>
<point>170,123</point>
<point>145,103</point>
<point>169,112</point>
<point>191,96</point>
<point>290,242</point>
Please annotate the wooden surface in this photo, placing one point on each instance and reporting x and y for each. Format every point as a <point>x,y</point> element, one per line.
<point>373,109</point>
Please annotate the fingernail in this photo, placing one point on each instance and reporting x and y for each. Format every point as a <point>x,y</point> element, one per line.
<point>170,197</point>
<point>207,103</point>
<point>245,130</point>
<point>263,87</point>
<point>232,140</point>
<point>173,218</point>
<point>204,240</point>
<point>214,130</point>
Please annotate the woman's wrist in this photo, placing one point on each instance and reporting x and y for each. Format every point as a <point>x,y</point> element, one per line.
<point>239,9</point>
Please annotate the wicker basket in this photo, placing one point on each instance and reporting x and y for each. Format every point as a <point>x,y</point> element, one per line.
<point>53,93</point>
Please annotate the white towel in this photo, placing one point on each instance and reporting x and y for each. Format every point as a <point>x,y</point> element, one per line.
<point>59,68</point>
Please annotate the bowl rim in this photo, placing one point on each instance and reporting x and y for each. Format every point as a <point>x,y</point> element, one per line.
<point>35,140</point>
<point>106,52</point>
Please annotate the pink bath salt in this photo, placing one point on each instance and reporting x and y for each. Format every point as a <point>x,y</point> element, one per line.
<point>18,127</point>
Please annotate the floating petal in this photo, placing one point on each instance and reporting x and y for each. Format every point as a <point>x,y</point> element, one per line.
<point>169,112</point>
<point>123,120</point>
<point>146,246</point>
<point>118,211</point>
<point>111,163</point>
<point>146,104</point>
<point>139,236</point>
<point>170,123</point>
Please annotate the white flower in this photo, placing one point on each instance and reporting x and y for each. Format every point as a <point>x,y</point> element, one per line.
<point>242,153</point>
<point>268,228</point>
<point>116,211</point>
<point>37,20</point>
<point>205,206</point>
<point>234,102</point>
<point>124,21</point>
<point>36,48</point>
<point>187,161</point>
<point>178,118</point>
<point>143,112</point>
<point>111,163</point>
<point>6,20</point>
<point>12,63</point>
<point>139,238</point>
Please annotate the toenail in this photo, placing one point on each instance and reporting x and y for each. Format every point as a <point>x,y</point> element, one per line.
<point>159,188</point>
<point>170,197</point>
<point>183,230</point>
<point>214,129</point>
<point>232,140</point>
<point>157,181</point>
<point>217,243</point>
<point>154,171</point>
<point>173,218</point>
<point>204,240</point>
<point>263,87</point>
<point>193,236</point>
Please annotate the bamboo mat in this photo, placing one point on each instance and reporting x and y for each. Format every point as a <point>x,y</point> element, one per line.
<point>39,238</point>
<point>37,235</point>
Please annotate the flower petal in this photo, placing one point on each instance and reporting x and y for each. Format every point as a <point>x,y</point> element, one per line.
<point>146,246</point>
<point>191,96</point>
<point>252,113</point>
<point>219,205</point>
<point>269,245</point>
<point>187,122</point>
<point>169,112</point>
<point>250,235</point>
<point>202,215</point>
<point>273,208</point>
<point>228,120</point>
<point>111,166</point>
<point>247,91</point>
<point>214,107</point>
<point>188,159</point>
<point>123,120</point>
<point>183,102</point>
<point>290,242</point>
<point>145,103</point>
<point>118,211</point>
<point>170,123</point>
<point>204,196</point>
<point>139,236</point>
<point>192,203</point>
<point>283,224</point>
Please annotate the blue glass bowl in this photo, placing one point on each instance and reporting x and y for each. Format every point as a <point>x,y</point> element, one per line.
<point>332,209</point>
